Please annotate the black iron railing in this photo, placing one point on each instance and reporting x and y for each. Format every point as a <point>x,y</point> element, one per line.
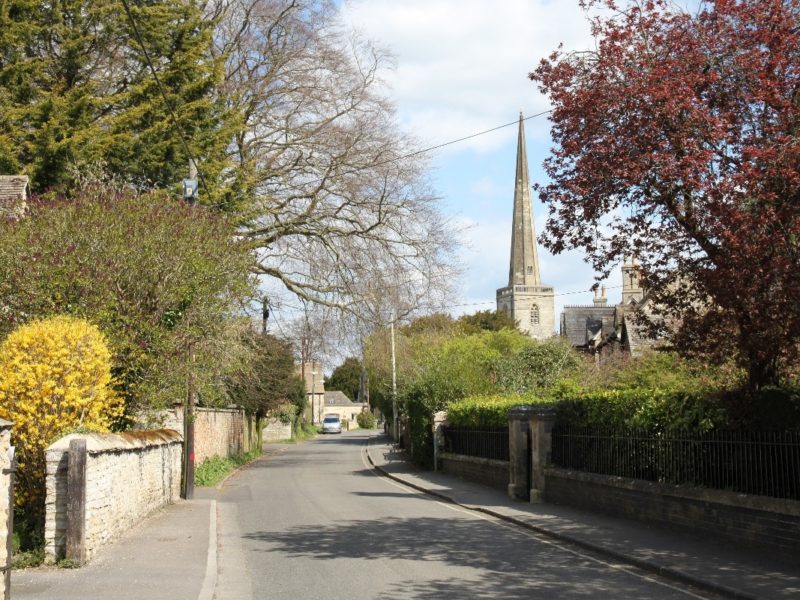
<point>481,443</point>
<point>760,463</point>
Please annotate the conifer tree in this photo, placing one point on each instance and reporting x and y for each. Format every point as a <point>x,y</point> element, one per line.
<point>76,89</point>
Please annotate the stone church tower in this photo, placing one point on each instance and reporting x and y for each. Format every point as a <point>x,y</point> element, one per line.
<point>632,291</point>
<point>525,299</point>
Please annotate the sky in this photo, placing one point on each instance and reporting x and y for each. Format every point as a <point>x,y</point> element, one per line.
<point>461,68</point>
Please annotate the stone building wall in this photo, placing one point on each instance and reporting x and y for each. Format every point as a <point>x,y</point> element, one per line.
<point>128,476</point>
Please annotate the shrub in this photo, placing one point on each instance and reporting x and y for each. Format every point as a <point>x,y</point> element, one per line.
<point>366,420</point>
<point>651,409</point>
<point>216,468</point>
<point>669,371</point>
<point>484,411</point>
<point>538,366</point>
<point>55,374</point>
<point>157,276</point>
<point>420,427</point>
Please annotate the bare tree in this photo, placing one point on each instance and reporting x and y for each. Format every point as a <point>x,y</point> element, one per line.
<point>334,196</point>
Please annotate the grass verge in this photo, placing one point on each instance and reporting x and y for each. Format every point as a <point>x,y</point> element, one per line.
<point>303,432</point>
<point>213,470</point>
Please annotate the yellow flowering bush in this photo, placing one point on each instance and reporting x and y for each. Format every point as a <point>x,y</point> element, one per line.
<point>55,375</point>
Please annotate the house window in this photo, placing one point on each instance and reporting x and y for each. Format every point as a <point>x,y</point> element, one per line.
<point>535,314</point>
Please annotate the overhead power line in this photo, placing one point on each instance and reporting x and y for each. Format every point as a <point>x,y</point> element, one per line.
<point>189,154</point>
<point>280,304</point>
<point>432,148</point>
<point>474,135</point>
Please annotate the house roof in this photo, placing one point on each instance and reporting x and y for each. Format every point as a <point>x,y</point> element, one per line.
<point>336,398</point>
<point>636,338</point>
<point>582,324</point>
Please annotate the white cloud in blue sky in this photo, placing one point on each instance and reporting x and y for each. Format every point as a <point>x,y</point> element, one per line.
<point>461,67</point>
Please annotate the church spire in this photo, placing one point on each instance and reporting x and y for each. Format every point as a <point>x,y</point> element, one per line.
<point>524,266</point>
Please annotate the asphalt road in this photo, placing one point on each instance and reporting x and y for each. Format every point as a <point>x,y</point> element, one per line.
<point>315,521</point>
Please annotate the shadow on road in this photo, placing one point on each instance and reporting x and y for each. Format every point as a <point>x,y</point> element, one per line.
<point>492,562</point>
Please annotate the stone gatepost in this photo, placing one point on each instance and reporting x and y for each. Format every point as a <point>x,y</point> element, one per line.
<point>439,420</point>
<point>542,419</point>
<point>519,419</point>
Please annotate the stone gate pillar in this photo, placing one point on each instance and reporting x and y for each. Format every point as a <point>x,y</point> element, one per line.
<point>519,419</point>
<point>541,428</point>
<point>439,420</point>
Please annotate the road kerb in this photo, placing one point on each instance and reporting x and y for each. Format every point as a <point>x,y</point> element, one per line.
<point>645,565</point>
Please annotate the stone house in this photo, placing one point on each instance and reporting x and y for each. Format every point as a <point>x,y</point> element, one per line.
<point>602,328</point>
<point>13,196</point>
<point>337,403</point>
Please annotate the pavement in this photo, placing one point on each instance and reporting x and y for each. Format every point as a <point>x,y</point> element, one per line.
<point>172,555</point>
<point>712,565</point>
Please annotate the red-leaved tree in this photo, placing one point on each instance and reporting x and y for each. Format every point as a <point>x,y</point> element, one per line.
<point>676,139</point>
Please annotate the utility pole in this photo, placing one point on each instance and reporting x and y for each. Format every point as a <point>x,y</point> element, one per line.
<point>264,314</point>
<point>395,424</point>
<point>190,185</point>
<point>188,432</point>
<point>190,195</point>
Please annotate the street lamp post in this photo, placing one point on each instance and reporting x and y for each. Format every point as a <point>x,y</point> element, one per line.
<point>395,424</point>
<point>313,394</point>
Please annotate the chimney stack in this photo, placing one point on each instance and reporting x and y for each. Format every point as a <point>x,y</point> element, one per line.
<point>600,298</point>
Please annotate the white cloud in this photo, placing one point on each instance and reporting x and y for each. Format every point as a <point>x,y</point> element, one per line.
<point>463,64</point>
<point>486,251</point>
<point>462,67</point>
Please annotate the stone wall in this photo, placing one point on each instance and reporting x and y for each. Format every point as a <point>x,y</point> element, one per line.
<point>493,473</point>
<point>275,430</point>
<point>5,498</point>
<point>759,520</point>
<point>217,431</point>
<point>128,475</point>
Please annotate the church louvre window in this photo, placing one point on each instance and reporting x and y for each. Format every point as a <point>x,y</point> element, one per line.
<point>535,314</point>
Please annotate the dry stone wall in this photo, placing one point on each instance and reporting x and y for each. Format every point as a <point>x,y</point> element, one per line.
<point>5,485</point>
<point>128,476</point>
